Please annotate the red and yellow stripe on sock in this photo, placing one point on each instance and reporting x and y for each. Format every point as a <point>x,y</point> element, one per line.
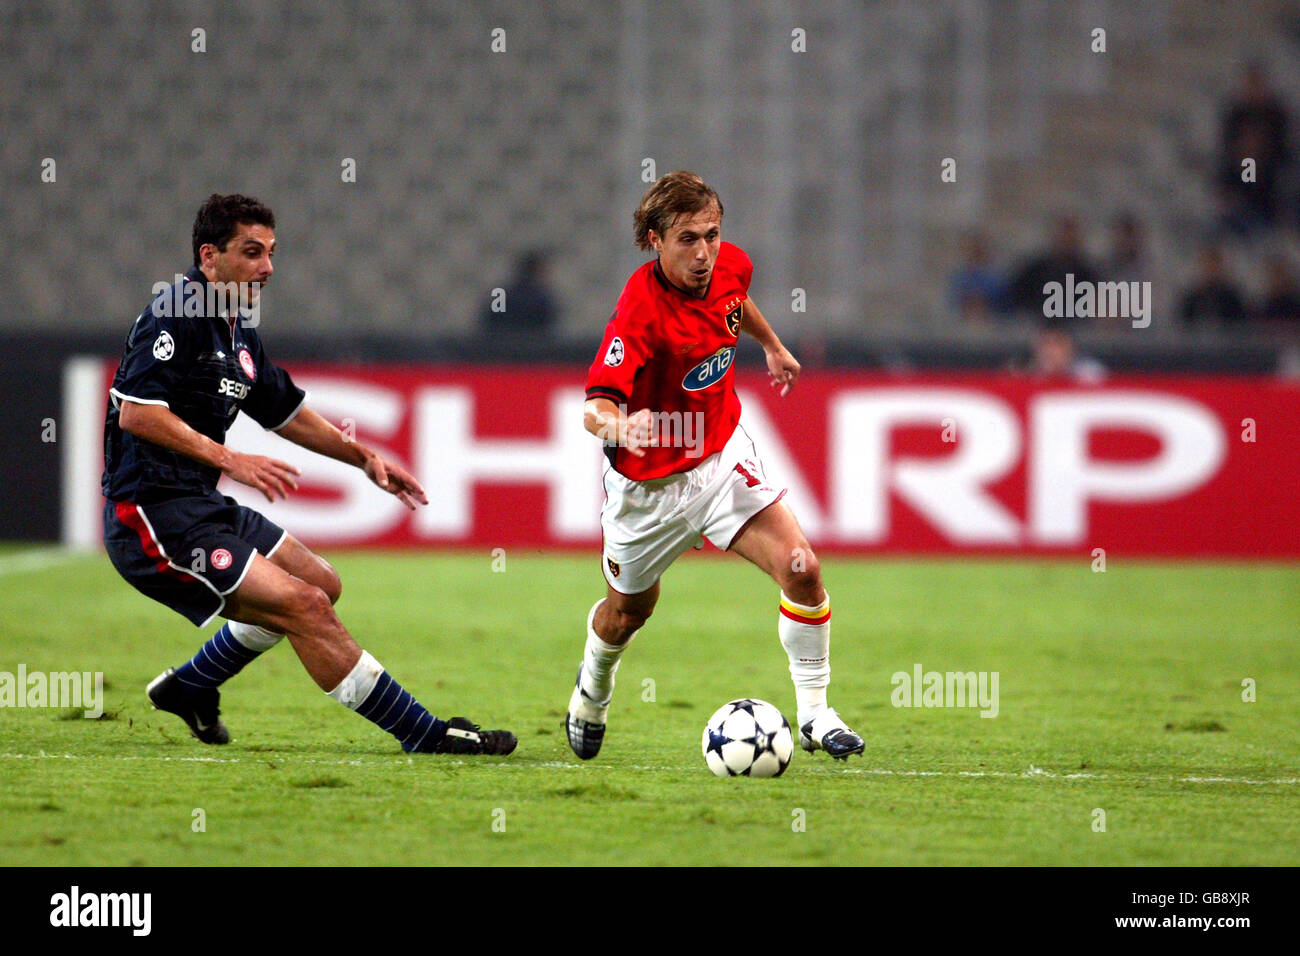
<point>804,614</point>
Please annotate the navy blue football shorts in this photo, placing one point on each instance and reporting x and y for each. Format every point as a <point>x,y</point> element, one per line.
<point>187,553</point>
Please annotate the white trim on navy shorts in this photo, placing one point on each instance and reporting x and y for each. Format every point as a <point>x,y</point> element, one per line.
<point>221,605</point>
<point>242,574</point>
<point>276,547</point>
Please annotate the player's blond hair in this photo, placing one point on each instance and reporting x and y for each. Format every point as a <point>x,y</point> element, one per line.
<point>673,194</point>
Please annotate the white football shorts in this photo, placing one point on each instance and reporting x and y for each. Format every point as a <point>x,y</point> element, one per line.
<point>649,524</point>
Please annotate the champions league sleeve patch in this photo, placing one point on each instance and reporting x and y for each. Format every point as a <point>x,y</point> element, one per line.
<point>613,357</point>
<point>164,347</point>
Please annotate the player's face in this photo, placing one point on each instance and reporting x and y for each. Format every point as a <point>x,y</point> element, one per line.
<point>688,249</point>
<point>246,259</point>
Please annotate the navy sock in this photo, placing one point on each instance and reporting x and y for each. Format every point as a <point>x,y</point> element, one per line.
<point>220,659</point>
<point>394,709</point>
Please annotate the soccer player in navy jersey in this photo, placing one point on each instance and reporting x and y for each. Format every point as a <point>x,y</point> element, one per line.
<point>680,468</point>
<point>193,360</point>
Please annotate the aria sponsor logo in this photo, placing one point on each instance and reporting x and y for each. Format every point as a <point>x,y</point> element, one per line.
<point>1089,300</point>
<point>76,909</point>
<point>183,297</point>
<point>82,690</point>
<point>710,371</point>
<point>946,689</point>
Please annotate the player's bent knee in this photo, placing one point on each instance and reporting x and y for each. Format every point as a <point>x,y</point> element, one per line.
<point>333,584</point>
<point>322,574</point>
<point>310,608</point>
<point>803,582</point>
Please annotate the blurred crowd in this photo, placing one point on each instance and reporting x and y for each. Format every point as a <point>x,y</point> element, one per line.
<point>1239,272</point>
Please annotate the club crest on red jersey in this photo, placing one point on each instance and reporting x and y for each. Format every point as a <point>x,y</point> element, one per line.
<point>733,313</point>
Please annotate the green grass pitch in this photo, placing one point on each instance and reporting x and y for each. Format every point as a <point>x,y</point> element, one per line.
<point>1119,692</point>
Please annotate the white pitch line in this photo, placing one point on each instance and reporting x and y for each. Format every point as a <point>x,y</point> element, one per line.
<point>36,560</point>
<point>1030,774</point>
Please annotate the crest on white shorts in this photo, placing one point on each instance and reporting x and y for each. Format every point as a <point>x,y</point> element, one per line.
<point>614,356</point>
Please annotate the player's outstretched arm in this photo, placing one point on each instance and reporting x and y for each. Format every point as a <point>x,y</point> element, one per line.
<point>781,365</point>
<point>314,433</point>
<point>158,424</point>
<point>610,423</point>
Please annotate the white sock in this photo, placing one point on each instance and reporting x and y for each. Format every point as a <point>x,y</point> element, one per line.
<point>356,687</point>
<point>600,662</point>
<point>253,637</point>
<point>806,636</point>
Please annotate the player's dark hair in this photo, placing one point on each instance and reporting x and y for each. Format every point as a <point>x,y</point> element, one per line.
<point>220,217</point>
<point>674,194</point>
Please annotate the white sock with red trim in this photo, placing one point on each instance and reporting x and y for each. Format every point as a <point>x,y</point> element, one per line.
<point>806,636</point>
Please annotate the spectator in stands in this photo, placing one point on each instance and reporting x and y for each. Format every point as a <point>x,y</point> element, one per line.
<point>1255,127</point>
<point>1056,357</point>
<point>526,302</point>
<point>1064,256</point>
<point>1128,259</point>
<point>978,290</point>
<point>1281,302</point>
<point>1215,296</point>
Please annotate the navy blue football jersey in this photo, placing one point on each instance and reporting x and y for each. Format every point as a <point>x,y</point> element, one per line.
<point>206,369</point>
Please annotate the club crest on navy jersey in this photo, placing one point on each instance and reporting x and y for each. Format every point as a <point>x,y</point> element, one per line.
<point>246,363</point>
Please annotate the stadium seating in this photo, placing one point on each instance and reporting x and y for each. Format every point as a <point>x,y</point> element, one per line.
<point>828,160</point>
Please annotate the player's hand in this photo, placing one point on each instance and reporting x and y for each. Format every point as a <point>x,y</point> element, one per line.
<point>396,481</point>
<point>783,368</point>
<point>638,433</point>
<point>268,475</point>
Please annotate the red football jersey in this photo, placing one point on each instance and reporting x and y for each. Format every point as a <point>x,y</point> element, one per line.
<point>674,354</point>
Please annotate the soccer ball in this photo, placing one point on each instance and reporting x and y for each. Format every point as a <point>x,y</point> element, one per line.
<point>747,738</point>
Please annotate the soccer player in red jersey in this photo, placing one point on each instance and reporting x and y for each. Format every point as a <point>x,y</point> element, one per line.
<point>681,468</point>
